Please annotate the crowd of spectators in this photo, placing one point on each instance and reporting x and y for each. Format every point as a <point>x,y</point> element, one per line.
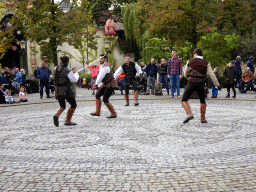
<point>163,75</point>
<point>12,82</point>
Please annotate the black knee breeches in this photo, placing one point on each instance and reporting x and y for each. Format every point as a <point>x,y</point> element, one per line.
<point>106,92</point>
<point>194,86</point>
<point>71,101</point>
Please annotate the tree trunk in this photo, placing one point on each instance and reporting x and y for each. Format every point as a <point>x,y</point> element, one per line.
<point>54,40</point>
<point>194,33</point>
<point>55,56</point>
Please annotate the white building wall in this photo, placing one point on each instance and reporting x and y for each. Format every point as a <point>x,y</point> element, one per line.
<point>118,57</point>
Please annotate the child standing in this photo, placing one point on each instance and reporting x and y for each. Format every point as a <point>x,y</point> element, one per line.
<point>23,94</point>
<point>215,89</point>
<point>158,88</point>
<point>230,77</point>
<point>9,99</point>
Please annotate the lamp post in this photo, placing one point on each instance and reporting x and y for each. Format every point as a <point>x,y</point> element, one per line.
<point>107,42</point>
<point>22,54</point>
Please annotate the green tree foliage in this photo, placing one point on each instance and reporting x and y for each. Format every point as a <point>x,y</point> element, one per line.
<point>183,20</point>
<point>247,48</point>
<point>100,12</point>
<point>45,23</point>
<point>217,47</point>
<point>183,23</point>
<point>155,48</point>
<point>6,33</point>
<point>86,46</point>
<point>112,44</point>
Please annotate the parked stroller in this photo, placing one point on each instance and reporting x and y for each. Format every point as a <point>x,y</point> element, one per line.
<point>51,84</point>
<point>142,82</point>
<point>28,86</point>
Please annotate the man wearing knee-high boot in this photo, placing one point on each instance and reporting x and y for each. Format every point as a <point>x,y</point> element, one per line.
<point>65,90</point>
<point>105,80</point>
<point>195,72</point>
<point>129,68</point>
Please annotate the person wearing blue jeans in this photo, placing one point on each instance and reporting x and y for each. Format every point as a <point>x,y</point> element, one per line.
<point>214,91</point>
<point>174,71</point>
<point>121,84</point>
<point>238,71</point>
<point>151,71</point>
<point>175,82</point>
<point>43,73</point>
<point>162,70</point>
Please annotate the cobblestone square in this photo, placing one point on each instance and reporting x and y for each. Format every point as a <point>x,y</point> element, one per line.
<point>146,148</point>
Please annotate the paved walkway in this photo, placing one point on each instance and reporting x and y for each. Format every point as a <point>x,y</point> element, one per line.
<point>146,148</point>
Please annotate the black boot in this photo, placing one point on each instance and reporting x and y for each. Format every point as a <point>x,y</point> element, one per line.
<point>228,95</point>
<point>234,96</point>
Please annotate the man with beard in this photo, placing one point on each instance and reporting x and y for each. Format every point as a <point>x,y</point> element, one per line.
<point>105,80</point>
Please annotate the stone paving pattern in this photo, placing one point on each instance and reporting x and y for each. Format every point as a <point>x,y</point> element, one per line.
<point>146,148</point>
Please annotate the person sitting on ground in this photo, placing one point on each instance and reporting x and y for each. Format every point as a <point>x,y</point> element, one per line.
<point>2,94</point>
<point>9,99</point>
<point>213,87</point>
<point>23,94</point>
<point>230,77</point>
<point>158,88</point>
<point>247,77</point>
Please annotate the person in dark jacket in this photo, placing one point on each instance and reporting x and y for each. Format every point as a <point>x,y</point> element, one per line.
<point>8,77</point>
<point>250,64</point>
<point>238,71</point>
<point>35,72</point>
<point>229,75</point>
<point>163,78</point>
<point>129,68</point>
<point>2,94</point>
<point>43,73</point>
<point>65,90</point>
<point>151,71</point>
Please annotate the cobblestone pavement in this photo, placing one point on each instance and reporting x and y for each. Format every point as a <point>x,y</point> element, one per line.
<point>146,148</point>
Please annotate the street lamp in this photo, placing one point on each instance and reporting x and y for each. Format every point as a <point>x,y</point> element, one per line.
<point>22,44</point>
<point>22,54</point>
<point>107,42</point>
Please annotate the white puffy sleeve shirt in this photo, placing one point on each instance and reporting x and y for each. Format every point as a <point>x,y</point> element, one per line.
<point>118,72</point>
<point>73,77</point>
<point>103,71</point>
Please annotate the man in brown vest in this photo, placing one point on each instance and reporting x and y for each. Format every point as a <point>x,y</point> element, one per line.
<point>195,72</point>
<point>105,80</point>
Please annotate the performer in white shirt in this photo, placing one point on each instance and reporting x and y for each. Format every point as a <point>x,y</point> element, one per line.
<point>105,80</point>
<point>64,80</point>
<point>129,68</point>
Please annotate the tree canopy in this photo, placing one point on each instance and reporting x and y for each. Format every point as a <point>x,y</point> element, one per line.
<point>44,22</point>
<point>181,22</point>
